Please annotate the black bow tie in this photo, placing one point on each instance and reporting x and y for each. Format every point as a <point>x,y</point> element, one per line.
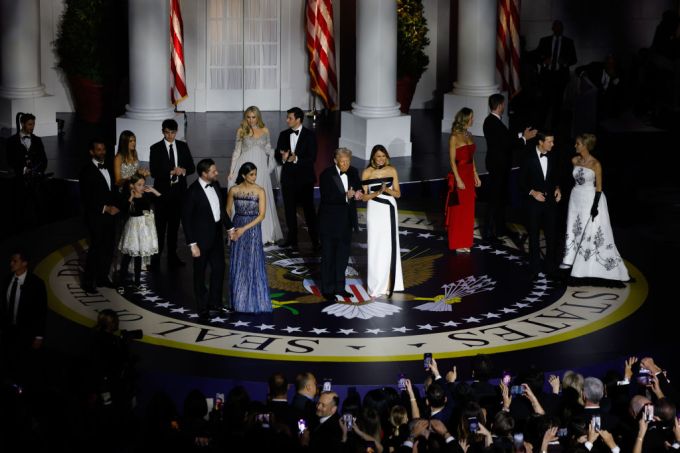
<point>343,173</point>
<point>294,132</point>
<point>210,184</point>
<point>101,166</point>
<point>543,155</point>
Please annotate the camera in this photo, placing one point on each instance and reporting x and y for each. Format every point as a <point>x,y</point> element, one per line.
<point>473,424</point>
<point>427,360</point>
<point>516,390</point>
<point>644,379</point>
<point>128,335</point>
<point>597,423</point>
<point>349,420</point>
<point>302,425</point>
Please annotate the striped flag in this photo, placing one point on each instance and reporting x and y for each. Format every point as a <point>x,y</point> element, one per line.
<point>507,47</point>
<point>321,48</point>
<point>178,91</point>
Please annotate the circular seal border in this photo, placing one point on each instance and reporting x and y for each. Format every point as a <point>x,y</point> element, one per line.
<point>570,316</point>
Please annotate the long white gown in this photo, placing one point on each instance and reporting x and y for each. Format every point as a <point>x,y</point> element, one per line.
<point>589,247</point>
<point>259,152</point>
<point>384,257</point>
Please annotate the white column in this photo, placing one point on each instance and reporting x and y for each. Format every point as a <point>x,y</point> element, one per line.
<point>149,47</point>
<point>375,116</point>
<point>20,87</point>
<point>476,78</point>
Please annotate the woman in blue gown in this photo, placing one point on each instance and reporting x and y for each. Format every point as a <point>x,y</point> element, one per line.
<point>247,204</point>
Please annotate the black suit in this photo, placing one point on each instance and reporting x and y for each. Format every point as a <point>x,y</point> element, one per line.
<point>337,219</point>
<point>200,228</point>
<point>30,313</point>
<point>500,143</point>
<point>540,214</point>
<point>297,181</point>
<point>327,436</point>
<point>27,199</point>
<point>95,193</point>
<point>169,206</point>
<point>554,76</point>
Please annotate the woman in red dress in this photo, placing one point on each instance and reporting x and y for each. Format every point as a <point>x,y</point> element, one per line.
<point>462,179</point>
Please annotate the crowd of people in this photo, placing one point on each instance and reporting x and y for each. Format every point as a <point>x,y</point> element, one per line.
<point>589,249</point>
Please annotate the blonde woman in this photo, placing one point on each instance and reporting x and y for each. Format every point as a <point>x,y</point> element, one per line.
<point>462,180</point>
<point>253,145</point>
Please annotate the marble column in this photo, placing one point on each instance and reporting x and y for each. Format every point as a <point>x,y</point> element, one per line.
<point>21,89</point>
<point>149,47</point>
<point>476,78</point>
<point>375,116</point>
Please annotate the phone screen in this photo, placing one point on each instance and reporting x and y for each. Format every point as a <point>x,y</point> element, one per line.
<point>349,420</point>
<point>302,425</point>
<point>401,383</point>
<point>506,378</point>
<point>327,385</point>
<point>473,424</point>
<point>427,360</point>
<point>516,390</point>
<point>597,424</point>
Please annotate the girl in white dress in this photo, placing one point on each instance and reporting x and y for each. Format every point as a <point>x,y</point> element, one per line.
<point>381,189</point>
<point>589,249</point>
<point>253,145</point>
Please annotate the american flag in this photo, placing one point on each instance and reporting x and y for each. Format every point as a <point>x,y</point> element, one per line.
<point>507,48</point>
<point>178,92</point>
<point>321,48</point>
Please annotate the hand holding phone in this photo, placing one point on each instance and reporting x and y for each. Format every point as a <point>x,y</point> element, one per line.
<point>349,420</point>
<point>506,378</point>
<point>473,424</point>
<point>516,390</point>
<point>401,382</point>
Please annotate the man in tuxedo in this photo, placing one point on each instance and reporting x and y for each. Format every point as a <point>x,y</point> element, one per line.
<point>303,404</point>
<point>170,162</point>
<point>500,143</point>
<point>539,186</point>
<point>100,206</point>
<point>556,54</point>
<point>339,186</point>
<point>296,152</point>
<point>327,436</point>
<point>24,307</point>
<point>203,219</point>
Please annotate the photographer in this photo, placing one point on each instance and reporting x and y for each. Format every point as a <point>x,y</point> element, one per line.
<point>113,366</point>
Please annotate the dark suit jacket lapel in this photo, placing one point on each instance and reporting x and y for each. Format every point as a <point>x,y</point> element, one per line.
<point>338,181</point>
<point>101,177</point>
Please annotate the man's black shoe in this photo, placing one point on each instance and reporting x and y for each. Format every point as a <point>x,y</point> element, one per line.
<point>287,243</point>
<point>105,283</point>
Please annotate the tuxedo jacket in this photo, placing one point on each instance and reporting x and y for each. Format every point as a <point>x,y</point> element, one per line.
<point>32,311</point>
<point>500,143</point>
<point>302,172</point>
<point>531,174</point>
<point>336,214</point>
<point>197,217</point>
<point>327,436</point>
<point>159,165</point>
<point>95,193</point>
<point>18,155</point>
<point>567,55</point>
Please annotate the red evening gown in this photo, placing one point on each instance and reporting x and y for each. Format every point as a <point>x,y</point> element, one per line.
<point>460,219</point>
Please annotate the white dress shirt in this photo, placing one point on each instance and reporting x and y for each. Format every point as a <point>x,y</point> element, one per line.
<point>103,171</point>
<point>345,181</point>
<point>543,161</point>
<point>21,279</point>
<point>212,198</point>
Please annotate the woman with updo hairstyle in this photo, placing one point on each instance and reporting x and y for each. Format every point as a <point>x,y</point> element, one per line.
<point>381,189</point>
<point>247,205</point>
<point>462,180</point>
<point>589,251</point>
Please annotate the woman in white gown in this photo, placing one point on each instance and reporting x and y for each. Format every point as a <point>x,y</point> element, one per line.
<point>253,145</point>
<point>589,249</point>
<point>381,189</point>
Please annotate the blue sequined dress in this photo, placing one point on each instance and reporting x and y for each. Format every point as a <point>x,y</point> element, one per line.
<point>248,276</point>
